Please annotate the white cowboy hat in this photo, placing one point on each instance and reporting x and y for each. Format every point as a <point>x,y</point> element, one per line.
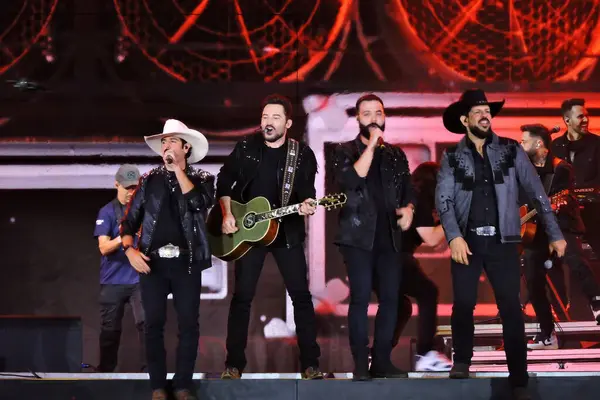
<point>177,128</point>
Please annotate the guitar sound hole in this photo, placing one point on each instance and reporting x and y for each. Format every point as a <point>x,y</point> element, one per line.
<point>249,220</point>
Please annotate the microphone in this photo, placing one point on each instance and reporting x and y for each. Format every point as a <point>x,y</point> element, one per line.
<point>380,142</point>
<point>555,129</point>
<point>549,263</point>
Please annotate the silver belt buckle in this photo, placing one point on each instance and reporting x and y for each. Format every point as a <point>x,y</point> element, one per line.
<point>168,251</point>
<point>485,231</point>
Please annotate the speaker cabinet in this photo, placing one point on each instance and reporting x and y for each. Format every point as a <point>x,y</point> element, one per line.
<point>40,344</point>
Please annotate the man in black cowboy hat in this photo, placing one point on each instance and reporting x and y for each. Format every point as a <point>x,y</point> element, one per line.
<point>477,201</point>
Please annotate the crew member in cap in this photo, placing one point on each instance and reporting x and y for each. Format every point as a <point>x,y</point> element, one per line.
<point>477,202</point>
<point>119,282</point>
<point>170,206</point>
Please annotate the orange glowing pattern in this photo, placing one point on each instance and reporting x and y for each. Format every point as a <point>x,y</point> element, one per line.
<point>22,24</point>
<point>502,40</point>
<point>250,40</point>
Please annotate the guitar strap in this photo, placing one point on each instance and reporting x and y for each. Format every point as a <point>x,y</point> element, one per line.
<point>289,172</point>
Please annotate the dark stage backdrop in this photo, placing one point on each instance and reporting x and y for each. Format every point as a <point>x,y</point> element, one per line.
<point>50,265</point>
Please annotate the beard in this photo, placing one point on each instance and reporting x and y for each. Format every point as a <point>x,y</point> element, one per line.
<point>364,129</point>
<point>480,133</point>
<point>273,135</point>
<point>531,153</point>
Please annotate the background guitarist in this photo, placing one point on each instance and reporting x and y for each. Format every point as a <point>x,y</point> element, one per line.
<point>256,168</point>
<point>556,175</point>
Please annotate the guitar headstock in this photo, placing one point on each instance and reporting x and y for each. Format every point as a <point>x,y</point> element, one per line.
<point>560,199</point>
<point>332,201</point>
<point>560,196</point>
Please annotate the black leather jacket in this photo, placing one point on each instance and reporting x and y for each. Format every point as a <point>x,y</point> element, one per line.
<point>358,217</point>
<point>586,164</point>
<point>144,208</point>
<point>241,167</point>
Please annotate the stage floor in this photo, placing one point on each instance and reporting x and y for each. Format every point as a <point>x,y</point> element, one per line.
<point>419,386</point>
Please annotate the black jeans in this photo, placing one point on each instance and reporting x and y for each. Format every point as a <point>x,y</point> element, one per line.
<point>535,273</point>
<point>416,284</point>
<point>292,266</point>
<point>113,299</point>
<point>363,267</point>
<point>502,266</point>
<point>171,276</point>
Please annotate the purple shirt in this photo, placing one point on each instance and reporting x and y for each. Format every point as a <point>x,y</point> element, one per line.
<point>115,268</point>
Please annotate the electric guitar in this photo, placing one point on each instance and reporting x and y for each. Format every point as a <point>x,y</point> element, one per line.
<point>257,224</point>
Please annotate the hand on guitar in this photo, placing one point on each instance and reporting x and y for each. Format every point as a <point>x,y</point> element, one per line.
<point>229,225</point>
<point>460,250</point>
<point>308,207</point>
<point>558,204</point>
<point>558,247</point>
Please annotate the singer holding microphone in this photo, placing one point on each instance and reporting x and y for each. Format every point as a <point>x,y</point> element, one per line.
<point>556,175</point>
<point>170,206</point>
<point>376,179</point>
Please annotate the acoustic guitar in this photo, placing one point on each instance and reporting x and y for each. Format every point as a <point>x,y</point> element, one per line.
<point>257,224</point>
<point>528,226</point>
<point>582,196</point>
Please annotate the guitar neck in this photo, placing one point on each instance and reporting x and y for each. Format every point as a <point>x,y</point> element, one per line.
<point>528,216</point>
<point>278,212</point>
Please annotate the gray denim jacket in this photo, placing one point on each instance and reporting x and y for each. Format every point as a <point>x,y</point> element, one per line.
<point>511,167</point>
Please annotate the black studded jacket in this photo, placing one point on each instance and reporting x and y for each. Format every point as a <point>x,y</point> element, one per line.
<point>511,169</point>
<point>145,204</point>
<point>358,217</point>
<point>240,169</point>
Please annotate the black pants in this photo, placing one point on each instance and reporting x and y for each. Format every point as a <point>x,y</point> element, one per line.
<point>292,266</point>
<point>363,267</point>
<point>502,266</point>
<point>416,284</point>
<point>171,276</point>
<point>590,215</point>
<point>535,273</point>
<point>113,299</point>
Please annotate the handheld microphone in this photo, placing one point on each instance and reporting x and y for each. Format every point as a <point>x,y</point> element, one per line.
<point>380,142</point>
<point>549,263</point>
<point>555,129</point>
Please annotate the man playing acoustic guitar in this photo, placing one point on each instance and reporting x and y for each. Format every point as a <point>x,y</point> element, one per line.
<point>557,177</point>
<point>278,168</point>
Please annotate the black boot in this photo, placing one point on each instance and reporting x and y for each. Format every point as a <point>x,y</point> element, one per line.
<point>361,367</point>
<point>459,371</point>
<point>388,370</point>
<point>382,367</point>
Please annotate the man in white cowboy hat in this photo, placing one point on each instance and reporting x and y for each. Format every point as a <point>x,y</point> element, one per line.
<point>477,202</point>
<point>170,206</point>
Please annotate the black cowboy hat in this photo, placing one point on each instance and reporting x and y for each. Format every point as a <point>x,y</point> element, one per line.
<point>469,99</point>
